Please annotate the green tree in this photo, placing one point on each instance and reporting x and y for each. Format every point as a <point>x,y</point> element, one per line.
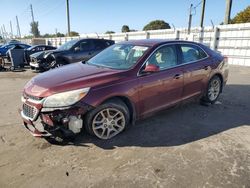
<point>133,30</point>
<point>34,29</point>
<point>109,32</point>
<point>242,17</point>
<point>46,35</point>
<point>125,28</point>
<point>156,24</point>
<point>58,34</point>
<point>28,36</point>
<point>73,34</point>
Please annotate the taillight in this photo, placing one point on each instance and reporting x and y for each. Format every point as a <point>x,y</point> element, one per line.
<point>225,59</point>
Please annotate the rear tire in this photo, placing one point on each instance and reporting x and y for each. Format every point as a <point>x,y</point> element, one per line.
<point>108,119</point>
<point>213,90</point>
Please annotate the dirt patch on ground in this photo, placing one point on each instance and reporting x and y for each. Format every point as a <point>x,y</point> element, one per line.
<point>188,146</point>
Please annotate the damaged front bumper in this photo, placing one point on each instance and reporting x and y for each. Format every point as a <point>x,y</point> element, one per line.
<point>54,122</point>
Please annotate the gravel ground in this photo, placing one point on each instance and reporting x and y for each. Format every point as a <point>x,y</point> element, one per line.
<point>187,146</point>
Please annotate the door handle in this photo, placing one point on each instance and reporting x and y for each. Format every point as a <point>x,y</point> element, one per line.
<point>177,76</point>
<point>206,67</point>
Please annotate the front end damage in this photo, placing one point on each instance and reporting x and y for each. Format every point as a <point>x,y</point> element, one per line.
<point>56,123</point>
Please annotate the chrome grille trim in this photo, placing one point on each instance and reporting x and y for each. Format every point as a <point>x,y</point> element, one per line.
<point>30,112</point>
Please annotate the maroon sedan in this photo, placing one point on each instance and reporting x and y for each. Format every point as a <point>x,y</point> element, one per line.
<point>125,82</point>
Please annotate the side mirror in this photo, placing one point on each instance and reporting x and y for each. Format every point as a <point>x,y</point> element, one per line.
<point>77,49</point>
<point>151,68</point>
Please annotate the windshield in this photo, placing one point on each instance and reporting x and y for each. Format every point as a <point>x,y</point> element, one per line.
<point>118,56</point>
<point>67,45</point>
<point>30,48</point>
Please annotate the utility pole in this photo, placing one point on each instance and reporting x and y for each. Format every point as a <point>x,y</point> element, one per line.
<point>2,32</point>
<point>11,30</point>
<point>32,15</point>
<point>190,19</point>
<point>228,11</point>
<point>67,13</point>
<point>5,33</point>
<point>18,27</point>
<point>203,12</point>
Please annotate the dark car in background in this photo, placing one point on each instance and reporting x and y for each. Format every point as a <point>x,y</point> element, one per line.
<point>123,83</point>
<point>70,52</point>
<point>34,49</point>
<point>4,49</point>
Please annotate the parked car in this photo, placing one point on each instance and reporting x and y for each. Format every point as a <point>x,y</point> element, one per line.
<point>5,48</point>
<point>13,41</point>
<point>123,83</point>
<point>70,52</point>
<point>34,49</point>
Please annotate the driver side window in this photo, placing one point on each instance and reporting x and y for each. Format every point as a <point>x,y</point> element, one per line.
<point>165,57</point>
<point>84,46</point>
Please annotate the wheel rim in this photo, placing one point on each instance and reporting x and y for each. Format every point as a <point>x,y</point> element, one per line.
<point>214,89</point>
<point>108,122</point>
<point>58,65</point>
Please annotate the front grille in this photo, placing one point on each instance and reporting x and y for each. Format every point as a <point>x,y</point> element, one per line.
<point>30,111</point>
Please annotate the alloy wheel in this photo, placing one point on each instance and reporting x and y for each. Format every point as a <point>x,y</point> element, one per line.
<point>214,89</point>
<point>108,122</point>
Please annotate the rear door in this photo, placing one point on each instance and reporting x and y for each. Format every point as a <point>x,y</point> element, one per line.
<point>99,45</point>
<point>161,89</point>
<point>196,68</point>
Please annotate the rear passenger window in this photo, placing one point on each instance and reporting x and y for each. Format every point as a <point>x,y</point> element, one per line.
<point>192,53</point>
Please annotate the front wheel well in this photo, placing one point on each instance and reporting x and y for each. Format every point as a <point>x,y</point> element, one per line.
<point>128,103</point>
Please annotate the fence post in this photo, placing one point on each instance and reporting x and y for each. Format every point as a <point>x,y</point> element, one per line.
<point>126,36</point>
<point>110,36</point>
<point>177,34</point>
<point>201,36</point>
<point>215,38</point>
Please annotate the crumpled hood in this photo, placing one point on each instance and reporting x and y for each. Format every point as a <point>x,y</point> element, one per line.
<point>48,52</point>
<point>37,55</point>
<point>44,54</point>
<point>70,77</point>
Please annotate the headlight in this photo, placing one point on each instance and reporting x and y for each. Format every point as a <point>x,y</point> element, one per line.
<point>65,99</point>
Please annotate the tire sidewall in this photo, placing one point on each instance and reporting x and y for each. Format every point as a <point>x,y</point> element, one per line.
<point>117,105</point>
<point>207,99</point>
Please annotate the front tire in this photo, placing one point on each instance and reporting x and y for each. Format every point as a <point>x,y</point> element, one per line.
<point>107,120</point>
<point>213,90</point>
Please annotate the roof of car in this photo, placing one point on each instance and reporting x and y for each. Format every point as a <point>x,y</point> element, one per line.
<point>153,42</point>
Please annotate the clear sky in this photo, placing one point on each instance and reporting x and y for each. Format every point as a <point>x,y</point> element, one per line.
<point>89,16</point>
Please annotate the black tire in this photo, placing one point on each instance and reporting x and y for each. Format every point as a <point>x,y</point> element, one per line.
<point>114,104</point>
<point>58,64</point>
<point>207,97</point>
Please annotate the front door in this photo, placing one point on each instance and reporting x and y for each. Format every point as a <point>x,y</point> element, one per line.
<point>161,89</point>
<point>83,50</point>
